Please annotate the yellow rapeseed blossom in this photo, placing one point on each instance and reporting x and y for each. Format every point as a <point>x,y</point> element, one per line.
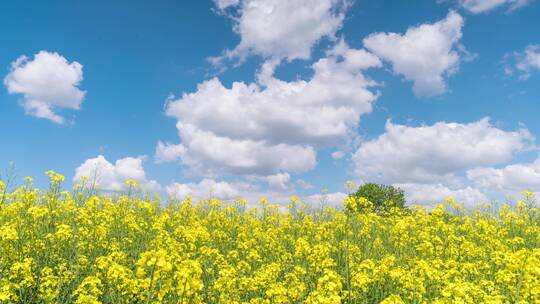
<point>89,291</point>
<point>83,247</point>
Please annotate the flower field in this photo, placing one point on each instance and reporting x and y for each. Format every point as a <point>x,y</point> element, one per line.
<point>61,246</point>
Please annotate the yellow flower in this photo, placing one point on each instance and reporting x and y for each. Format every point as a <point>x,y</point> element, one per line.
<point>55,178</point>
<point>130,183</point>
<point>49,285</point>
<point>22,274</point>
<point>393,299</point>
<point>8,233</point>
<point>88,291</point>
<point>83,247</point>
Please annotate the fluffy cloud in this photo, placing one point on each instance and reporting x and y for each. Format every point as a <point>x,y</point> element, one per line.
<point>271,126</point>
<point>482,6</point>
<point>167,152</point>
<point>112,177</point>
<point>325,200</point>
<point>303,184</point>
<point>528,60</point>
<point>433,194</point>
<point>278,181</point>
<point>282,29</point>
<point>48,82</point>
<point>209,154</point>
<point>205,189</point>
<point>509,180</point>
<point>426,154</point>
<point>225,190</point>
<point>425,54</point>
<point>251,192</point>
<point>223,4</point>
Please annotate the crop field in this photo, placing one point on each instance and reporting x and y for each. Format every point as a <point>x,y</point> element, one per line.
<point>74,246</point>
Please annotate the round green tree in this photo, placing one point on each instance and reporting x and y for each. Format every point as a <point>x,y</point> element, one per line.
<point>383,197</point>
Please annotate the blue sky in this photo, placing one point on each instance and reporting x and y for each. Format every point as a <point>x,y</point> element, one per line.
<point>433,69</point>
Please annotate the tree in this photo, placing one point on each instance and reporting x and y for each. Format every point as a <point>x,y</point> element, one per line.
<point>383,197</point>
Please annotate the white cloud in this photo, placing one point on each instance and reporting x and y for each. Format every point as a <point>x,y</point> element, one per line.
<point>167,152</point>
<point>427,154</point>
<point>227,190</point>
<point>204,189</point>
<point>278,181</point>
<point>252,192</point>
<point>223,4</point>
<point>48,82</point>
<point>509,180</point>
<point>282,29</point>
<point>303,184</point>
<point>271,126</point>
<point>425,54</point>
<point>209,154</point>
<point>528,60</point>
<point>482,6</point>
<point>433,194</point>
<point>112,177</point>
<point>334,200</point>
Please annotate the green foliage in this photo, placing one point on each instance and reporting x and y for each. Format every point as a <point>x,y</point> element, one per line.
<point>383,197</point>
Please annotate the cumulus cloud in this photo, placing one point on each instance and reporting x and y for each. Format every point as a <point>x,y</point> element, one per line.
<point>112,177</point>
<point>528,60</point>
<point>47,83</point>
<point>279,181</point>
<point>509,180</point>
<point>433,194</point>
<point>482,6</point>
<point>223,4</point>
<point>208,154</point>
<point>282,29</point>
<point>303,184</point>
<point>252,192</point>
<point>204,189</point>
<point>271,126</point>
<point>427,154</point>
<point>167,152</point>
<point>334,199</point>
<point>425,54</point>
